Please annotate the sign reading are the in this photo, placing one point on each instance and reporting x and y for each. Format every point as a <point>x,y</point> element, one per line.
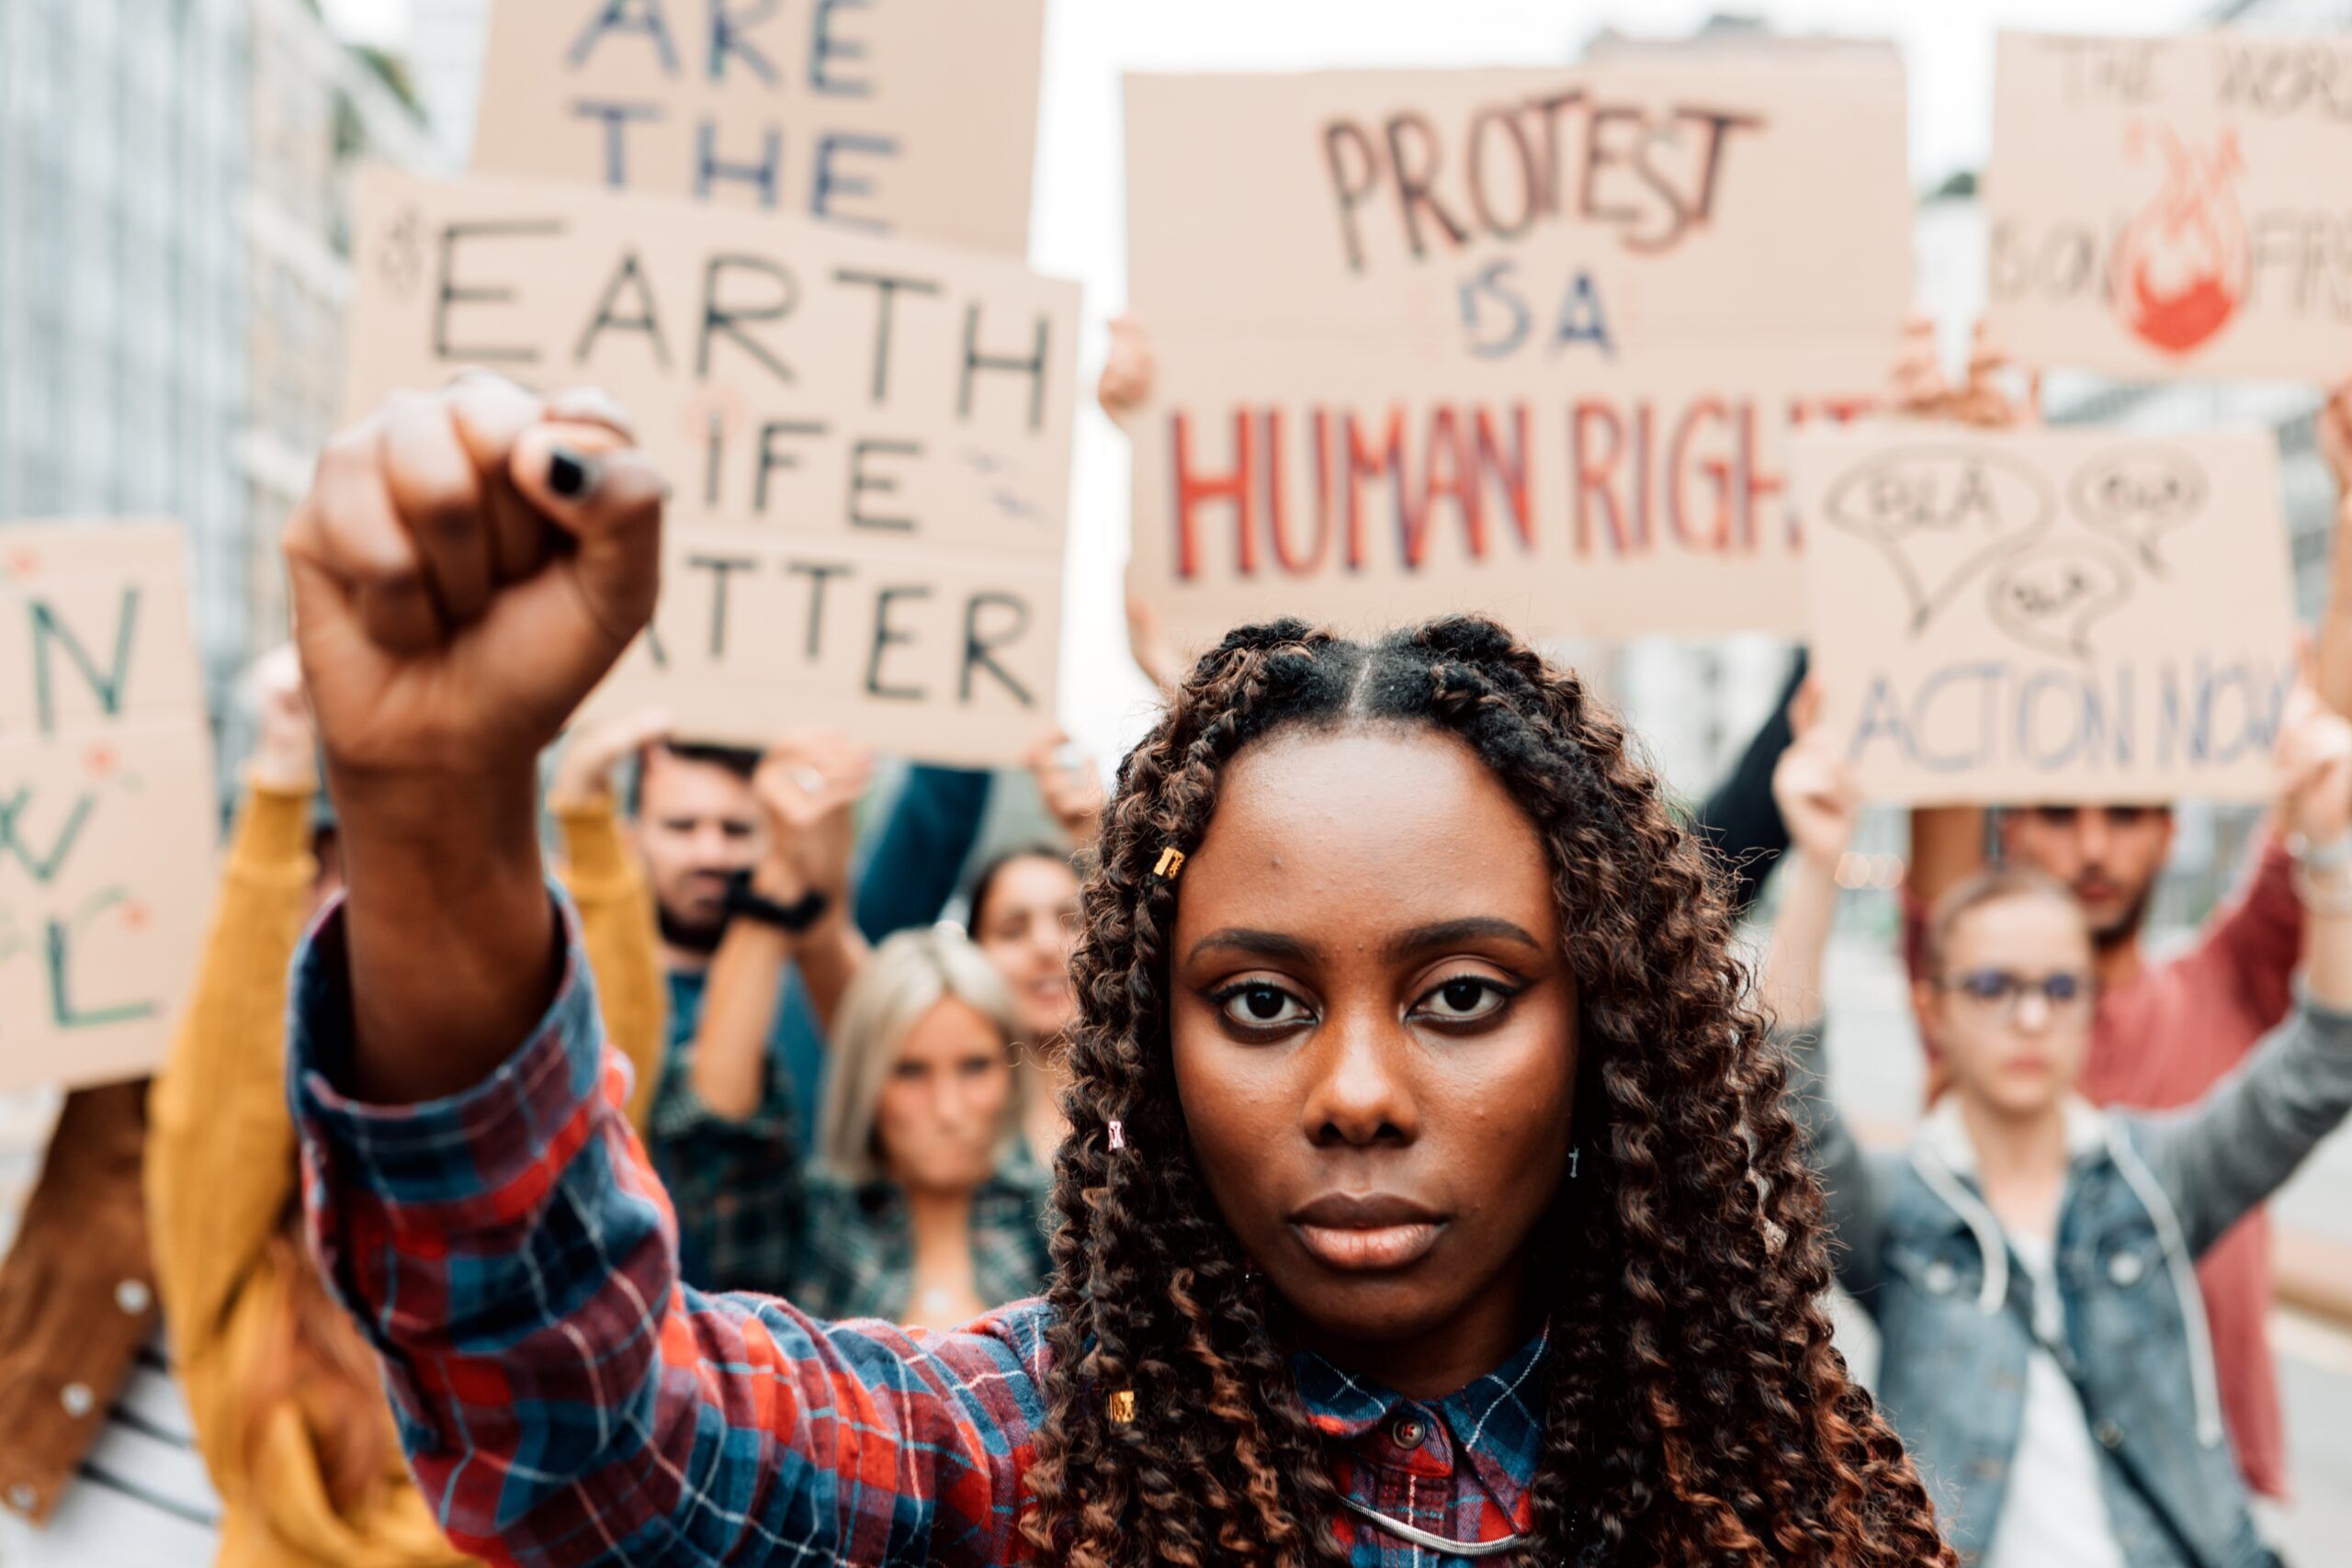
<point>107,817</point>
<point>2173,208</point>
<point>914,116</point>
<point>1527,342</point>
<point>2049,615</point>
<point>869,441</point>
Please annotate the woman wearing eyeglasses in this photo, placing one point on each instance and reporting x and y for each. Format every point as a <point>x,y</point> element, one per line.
<point>2030,1259</point>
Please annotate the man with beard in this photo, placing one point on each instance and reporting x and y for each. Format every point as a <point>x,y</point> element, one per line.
<point>745,855</point>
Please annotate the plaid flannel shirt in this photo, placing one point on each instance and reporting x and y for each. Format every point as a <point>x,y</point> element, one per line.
<point>735,1184</point>
<point>564,1400</point>
<point>857,1248</point>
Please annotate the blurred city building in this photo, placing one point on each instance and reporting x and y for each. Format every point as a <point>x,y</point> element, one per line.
<point>174,214</point>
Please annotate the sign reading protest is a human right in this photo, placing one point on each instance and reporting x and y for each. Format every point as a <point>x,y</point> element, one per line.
<point>869,441</point>
<point>913,116</point>
<point>107,817</point>
<point>1523,341</point>
<point>2048,614</point>
<point>2173,208</point>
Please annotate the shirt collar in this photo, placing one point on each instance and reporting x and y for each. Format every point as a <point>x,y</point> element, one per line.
<point>1496,1419</point>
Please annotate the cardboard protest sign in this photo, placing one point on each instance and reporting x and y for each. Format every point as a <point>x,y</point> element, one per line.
<point>869,441</point>
<point>915,117</point>
<point>2048,614</point>
<point>107,819</point>
<point>2167,208</point>
<point>1526,342</point>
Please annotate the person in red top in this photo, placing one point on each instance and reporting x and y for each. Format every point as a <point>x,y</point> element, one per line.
<point>2166,1031</point>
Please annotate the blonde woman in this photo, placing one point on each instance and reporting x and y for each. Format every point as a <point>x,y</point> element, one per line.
<point>924,1206</point>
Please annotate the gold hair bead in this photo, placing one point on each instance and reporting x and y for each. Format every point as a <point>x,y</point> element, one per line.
<point>1123,1407</point>
<point>1171,861</point>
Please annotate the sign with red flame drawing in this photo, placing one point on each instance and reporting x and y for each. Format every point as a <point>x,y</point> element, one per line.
<point>106,815</point>
<point>2165,209</point>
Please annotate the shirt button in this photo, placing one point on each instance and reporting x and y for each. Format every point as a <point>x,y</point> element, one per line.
<point>1941,1277</point>
<point>1407,1431</point>
<point>2124,1268</point>
<point>2110,1436</point>
<point>133,1297</point>
<point>76,1398</point>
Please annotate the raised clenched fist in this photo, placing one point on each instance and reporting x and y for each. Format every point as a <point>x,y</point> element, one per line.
<point>467,566</point>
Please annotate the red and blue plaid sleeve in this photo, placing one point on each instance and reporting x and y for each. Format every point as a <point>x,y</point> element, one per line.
<point>563,1398</point>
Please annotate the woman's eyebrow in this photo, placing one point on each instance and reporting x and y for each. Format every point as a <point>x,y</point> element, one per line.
<point>1255,943</point>
<point>1449,933</point>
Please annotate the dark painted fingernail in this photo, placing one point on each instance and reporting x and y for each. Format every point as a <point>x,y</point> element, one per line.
<point>570,474</point>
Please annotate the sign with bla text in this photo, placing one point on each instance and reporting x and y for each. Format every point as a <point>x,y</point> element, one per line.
<point>913,116</point>
<point>2173,208</point>
<point>1524,342</point>
<point>868,440</point>
<point>107,817</point>
<point>2043,615</point>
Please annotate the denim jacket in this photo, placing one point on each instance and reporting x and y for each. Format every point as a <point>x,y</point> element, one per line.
<point>2145,1196</point>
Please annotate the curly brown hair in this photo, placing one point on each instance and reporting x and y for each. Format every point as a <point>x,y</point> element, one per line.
<point>1697,1411</point>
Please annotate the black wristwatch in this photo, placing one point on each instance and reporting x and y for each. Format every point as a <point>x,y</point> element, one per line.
<point>793,917</point>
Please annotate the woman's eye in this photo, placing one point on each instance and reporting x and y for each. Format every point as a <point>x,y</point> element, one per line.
<point>1464,1000</point>
<point>1262,1007</point>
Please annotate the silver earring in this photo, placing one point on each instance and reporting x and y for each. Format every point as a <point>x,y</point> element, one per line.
<point>1576,1153</point>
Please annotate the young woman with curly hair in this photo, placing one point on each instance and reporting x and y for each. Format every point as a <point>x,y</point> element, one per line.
<point>1429,1194</point>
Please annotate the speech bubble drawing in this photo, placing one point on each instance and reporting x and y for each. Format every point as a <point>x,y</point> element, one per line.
<point>1940,514</point>
<point>2050,595</point>
<point>2138,494</point>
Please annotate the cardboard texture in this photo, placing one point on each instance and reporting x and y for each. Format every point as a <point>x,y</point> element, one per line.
<point>911,117</point>
<point>1525,342</point>
<point>2048,615</point>
<point>107,813</point>
<point>869,441</point>
<point>2167,209</point>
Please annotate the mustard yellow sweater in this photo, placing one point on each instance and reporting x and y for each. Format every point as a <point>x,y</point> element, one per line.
<point>221,1177</point>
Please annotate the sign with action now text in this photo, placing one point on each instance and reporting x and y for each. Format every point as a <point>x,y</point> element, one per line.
<point>2049,615</point>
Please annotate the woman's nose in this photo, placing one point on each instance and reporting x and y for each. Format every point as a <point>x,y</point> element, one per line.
<point>1358,1096</point>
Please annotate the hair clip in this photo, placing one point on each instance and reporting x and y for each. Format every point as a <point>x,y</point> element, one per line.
<point>1171,861</point>
<point>1123,1407</point>
<point>1118,1133</point>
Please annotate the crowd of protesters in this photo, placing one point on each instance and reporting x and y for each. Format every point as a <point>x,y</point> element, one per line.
<point>846,1100</point>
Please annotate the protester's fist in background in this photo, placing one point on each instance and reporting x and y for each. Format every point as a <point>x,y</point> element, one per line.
<point>1127,371</point>
<point>584,774</point>
<point>1070,785</point>
<point>808,783</point>
<point>1813,786</point>
<point>2314,770</point>
<point>465,566</point>
<point>286,746</point>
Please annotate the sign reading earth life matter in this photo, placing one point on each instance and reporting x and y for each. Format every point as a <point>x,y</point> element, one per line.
<point>2173,208</point>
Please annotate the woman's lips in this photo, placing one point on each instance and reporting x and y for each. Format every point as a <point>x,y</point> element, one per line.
<point>1366,1233</point>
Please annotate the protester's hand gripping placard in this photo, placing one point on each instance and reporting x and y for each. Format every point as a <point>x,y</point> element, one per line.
<point>107,813</point>
<point>2173,208</point>
<point>1524,342</point>
<point>868,442</point>
<point>913,116</point>
<point>2048,614</point>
